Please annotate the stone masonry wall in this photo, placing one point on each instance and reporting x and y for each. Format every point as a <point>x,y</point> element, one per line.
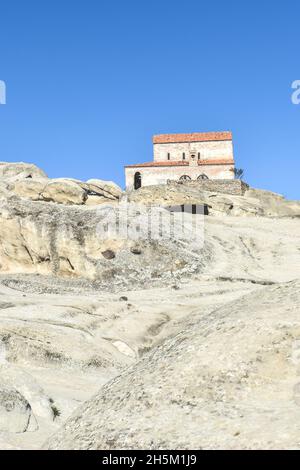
<point>234,187</point>
<point>161,175</point>
<point>207,150</point>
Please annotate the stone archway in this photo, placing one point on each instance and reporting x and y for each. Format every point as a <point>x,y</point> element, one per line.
<point>202,177</point>
<point>137,180</point>
<point>185,178</point>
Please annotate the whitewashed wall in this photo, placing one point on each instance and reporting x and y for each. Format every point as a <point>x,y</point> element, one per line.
<point>160,175</point>
<point>208,150</point>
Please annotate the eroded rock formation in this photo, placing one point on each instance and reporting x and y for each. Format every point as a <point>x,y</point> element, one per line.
<point>187,345</point>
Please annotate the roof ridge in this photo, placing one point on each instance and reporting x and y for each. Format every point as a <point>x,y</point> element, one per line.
<point>192,137</point>
<point>183,163</point>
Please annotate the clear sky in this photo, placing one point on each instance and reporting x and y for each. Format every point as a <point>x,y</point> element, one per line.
<point>89,83</point>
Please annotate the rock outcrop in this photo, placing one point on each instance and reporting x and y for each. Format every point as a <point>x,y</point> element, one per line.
<point>15,411</point>
<point>188,342</point>
<point>68,241</point>
<point>107,189</point>
<point>253,203</point>
<point>55,227</point>
<point>20,171</point>
<point>29,182</point>
<point>64,240</point>
<point>228,380</point>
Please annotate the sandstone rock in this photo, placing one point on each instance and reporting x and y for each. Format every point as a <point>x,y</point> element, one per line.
<point>94,200</point>
<point>208,343</point>
<point>15,411</point>
<point>66,240</point>
<point>30,188</point>
<point>16,171</point>
<point>225,381</point>
<point>64,191</point>
<point>29,182</point>
<point>274,204</point>
<point>253,203</point>
<point>107,188</point>
<point>23,382</point>
<point>43,317</point>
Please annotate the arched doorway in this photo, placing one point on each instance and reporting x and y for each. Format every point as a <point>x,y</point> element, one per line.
<point>137,180</point>
<point>202,177</point>
<point>185,178</point>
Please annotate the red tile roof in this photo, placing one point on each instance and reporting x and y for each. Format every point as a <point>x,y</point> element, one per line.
<point>181,163</point>
<point>194,137</point>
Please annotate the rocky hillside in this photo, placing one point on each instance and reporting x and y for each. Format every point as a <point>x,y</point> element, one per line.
<point>51,227</point>
<point>254,203</point>
<point>162,331</point>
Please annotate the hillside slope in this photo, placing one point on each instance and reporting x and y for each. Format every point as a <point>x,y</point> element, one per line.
<point>80,310</point>
<point>228,380</point>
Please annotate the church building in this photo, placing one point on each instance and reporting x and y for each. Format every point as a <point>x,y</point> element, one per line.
<point>185,157</point>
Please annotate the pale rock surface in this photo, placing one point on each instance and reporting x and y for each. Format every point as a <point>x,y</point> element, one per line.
<point>16,171</point>
<point>29,182</point>
<point>42,318</point>
<point>61,341</point>
<point>15,411</point>
<point>274,204</point>
<point>95,200</point>
<point>45,238</point>
<point>30,188</point>
<point>253,203</point>
<point>108,188</point>
<point>228,380</point>
<point>64,191</point>
<point>195,345</point>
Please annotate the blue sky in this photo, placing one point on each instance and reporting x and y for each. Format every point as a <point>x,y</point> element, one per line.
<point>89,83</point>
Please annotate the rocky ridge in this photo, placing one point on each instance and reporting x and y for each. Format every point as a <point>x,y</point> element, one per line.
<point>206,333</point>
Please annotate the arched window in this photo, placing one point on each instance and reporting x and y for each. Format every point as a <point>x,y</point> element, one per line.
<point>202,177</point>
<point>137,180</point>
<point>184,178</point>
